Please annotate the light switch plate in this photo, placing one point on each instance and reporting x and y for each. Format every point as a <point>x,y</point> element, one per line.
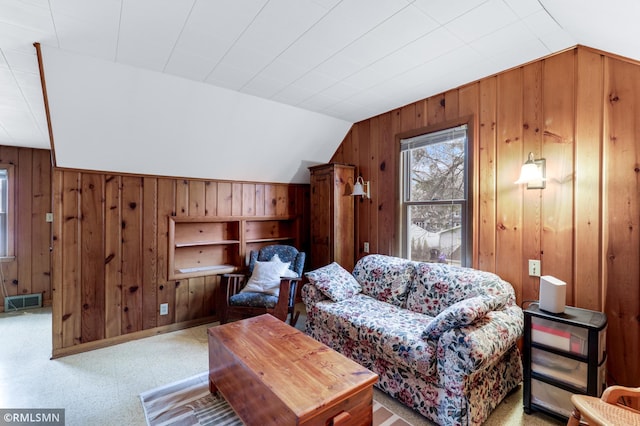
<point>534,268</point>
<point>164,309</point>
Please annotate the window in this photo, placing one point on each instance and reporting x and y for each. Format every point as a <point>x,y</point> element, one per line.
<point>6,208</point>
<point>435,197</point>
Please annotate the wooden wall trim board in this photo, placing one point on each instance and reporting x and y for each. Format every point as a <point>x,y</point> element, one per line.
<point>123,338</point>
<point>45,96</point>
<point>577,109</point>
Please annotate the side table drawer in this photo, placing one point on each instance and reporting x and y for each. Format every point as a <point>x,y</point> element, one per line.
<point>551,397</point>
<point>565,337</point>
<point>566,370</point>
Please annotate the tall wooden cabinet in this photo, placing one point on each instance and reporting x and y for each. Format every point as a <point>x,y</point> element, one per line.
<point>332,215</point>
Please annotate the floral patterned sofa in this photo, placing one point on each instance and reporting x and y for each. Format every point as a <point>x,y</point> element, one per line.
<point>441,338</point>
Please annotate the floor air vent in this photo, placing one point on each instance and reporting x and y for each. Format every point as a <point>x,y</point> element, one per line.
<point>24,301</point>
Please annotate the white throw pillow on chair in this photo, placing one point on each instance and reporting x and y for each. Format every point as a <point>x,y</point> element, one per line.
<point>266,277</point>
<point>288,273</point>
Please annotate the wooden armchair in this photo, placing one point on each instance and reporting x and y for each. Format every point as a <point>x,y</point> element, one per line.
<point>243,301</point>
<point>606,410</point>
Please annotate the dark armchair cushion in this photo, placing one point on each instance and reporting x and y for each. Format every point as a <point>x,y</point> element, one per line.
<point>254,300</point>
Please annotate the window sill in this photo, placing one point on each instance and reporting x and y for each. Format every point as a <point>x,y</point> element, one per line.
<point>6,259</point>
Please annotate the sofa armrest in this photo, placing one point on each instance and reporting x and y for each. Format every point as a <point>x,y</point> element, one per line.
<point>468,348</point>
<point>311,295</point>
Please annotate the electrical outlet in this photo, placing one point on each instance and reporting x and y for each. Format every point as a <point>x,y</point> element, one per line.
<point>48,217</point>
<point>534,268</point>
<point>366,247</point>
<point>164,309</point>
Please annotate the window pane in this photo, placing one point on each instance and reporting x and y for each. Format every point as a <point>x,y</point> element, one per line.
<point>437,171</point>
<point>3,212</point>
<point>435,233</point>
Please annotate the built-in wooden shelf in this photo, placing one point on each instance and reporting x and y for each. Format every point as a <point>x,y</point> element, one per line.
<point>200,246</point>
<point>207,243</point>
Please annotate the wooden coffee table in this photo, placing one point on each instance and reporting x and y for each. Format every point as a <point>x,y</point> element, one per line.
<point>272,374</point>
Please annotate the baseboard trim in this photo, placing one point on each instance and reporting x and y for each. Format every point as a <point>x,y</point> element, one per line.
<point>98,344</point>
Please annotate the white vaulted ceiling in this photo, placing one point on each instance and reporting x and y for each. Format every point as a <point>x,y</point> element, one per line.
<point>348,60</point>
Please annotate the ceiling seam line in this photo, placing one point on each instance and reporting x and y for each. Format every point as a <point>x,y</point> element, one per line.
<point>173,48</point>
<point>24,98</point>
<point>367,66</point>
<point>289,46</point>
<point>235,41</point>
<point>53,22</point>
<point>371,63</point>
<point>115,58</point>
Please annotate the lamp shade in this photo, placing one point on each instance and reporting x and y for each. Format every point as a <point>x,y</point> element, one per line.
<point>357,189</point>
<point>531,171</point>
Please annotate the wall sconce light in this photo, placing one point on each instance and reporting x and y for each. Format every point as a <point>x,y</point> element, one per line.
<point>361,188</point>
<point>533,173</point>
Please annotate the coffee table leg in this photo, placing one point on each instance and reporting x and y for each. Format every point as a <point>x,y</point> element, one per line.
<point>212,387</point>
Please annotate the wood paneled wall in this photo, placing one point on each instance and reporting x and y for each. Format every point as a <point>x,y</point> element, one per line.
<point>110,251</point>
<point>578,109</point>
<point>29,271</point>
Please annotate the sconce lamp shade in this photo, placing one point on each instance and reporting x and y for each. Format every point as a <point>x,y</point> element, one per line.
<point>533,173</point>
<point>361,188</point>
<point>357,189</point>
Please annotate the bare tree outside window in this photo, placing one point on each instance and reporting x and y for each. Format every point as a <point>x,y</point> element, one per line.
<point>434,167</point>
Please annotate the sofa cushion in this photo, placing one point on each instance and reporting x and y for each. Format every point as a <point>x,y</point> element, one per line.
<point>393,332</point>
<point>438,286</point>
<point>334,281</point>
<point>385,278</point>
<point>464,312</point>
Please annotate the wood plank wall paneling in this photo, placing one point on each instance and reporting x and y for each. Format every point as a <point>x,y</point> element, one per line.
<point>577,109</point>
<point>24,196</point>
<point>111,247</point>
<point>558,147</point>
<point>112,256</point>
<point>167,207</point>
<point>588,174</point>
<point>532,142</point>
<point>485,207</point>
<point>622,211</point>
<point>131,193</point>
<point>29,272</point>
<point>92,276</point>
<point>70,286</point>
<point>510,156</point>
<point>150,308</point>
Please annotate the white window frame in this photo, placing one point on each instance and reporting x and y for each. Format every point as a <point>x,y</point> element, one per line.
<point>7,207</point>
<point>426,137</point>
